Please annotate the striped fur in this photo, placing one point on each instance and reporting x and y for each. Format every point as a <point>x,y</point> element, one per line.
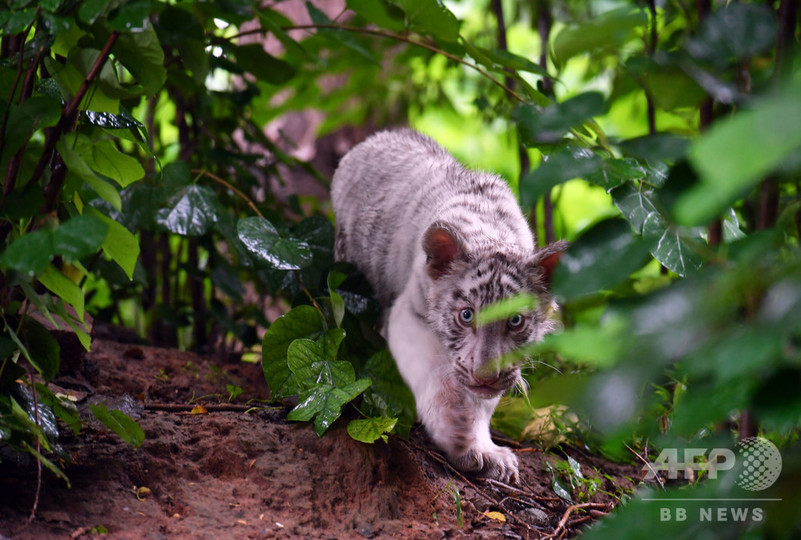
<point>435,239</point>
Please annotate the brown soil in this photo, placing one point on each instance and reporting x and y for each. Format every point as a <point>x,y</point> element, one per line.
<point>236,474</point>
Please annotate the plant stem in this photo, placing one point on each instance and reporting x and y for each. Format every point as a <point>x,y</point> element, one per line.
<point>228,185</point>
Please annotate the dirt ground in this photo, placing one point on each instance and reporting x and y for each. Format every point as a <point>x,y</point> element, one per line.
<point>237,473</point>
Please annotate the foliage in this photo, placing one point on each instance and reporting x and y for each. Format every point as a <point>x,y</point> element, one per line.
<point>140,186</point>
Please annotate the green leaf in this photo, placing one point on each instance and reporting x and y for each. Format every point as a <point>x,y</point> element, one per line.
<point>388,396</point>
<point>43,349</point>
<point>605,33</point>
<point>379,12</point>
<point>600,259</point>
<point>35,113</point>
<point>142,55</point>
<point>79,236</point>
<point>104,158</point>
<point>131,16</point>
<point>90,10</point>
<point>52,467</point>
<point>193,213</point>
<point>30,253</point>
<point>63,409</point>
<point>674,246</point>
<point>734,32</point>
<point>550,123</point>
<point>324,403</point>
<point>314,364</point>
<point>62,286</point>
<point>256,61</point>
<point>431,17</point>
<point>120,244</point>
<point>557,168</point>
<point>340,37</point>
<point>369,430</point>
<point>505,59</point>
<point>736,153</point>
<point>271,249</point>
<point>503,309</point>
<point>301,322</point>
<point>120,423</point>
<point>333,281</point>
<point>656,147</point>
<point>78,166</point>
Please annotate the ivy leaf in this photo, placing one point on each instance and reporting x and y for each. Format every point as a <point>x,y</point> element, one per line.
<point>193,214</point>
<point>120,423</point>
<point>314,363</point>
<point>301,322</point>
<point>324,403</point>
<point>271,249</point>
<point>369,430</point>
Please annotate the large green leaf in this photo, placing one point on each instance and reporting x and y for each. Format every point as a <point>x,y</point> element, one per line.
<point>734,32</point>
<point>736,153</point>
<point>547,125</point>
<point>62,286</point>
<point>120,423</point>
<point>675,246</point>
<point>271,249</point>
<point>76,164</point>
<point>42,347</point>
<point>388,396</point>
<point>431,17</point>
<point>600,259</point>
<point>302,322</point>
<point>120,244</point>
<point>314,363</point>
<point>265,67</point>
<point>340,37</point>
<point>142,55</point>
<point>80,236</point>
<point>193,213</point>
<point>603,33</point>
<point>30,253</point>
<point>380,12</point>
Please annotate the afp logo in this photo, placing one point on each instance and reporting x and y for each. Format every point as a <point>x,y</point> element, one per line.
<point>757,463</point>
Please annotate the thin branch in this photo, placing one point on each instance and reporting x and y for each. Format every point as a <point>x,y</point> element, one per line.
<point>389,35</point>
<point>560,528</point>
<point>228,185</point>
<point>66,122</point>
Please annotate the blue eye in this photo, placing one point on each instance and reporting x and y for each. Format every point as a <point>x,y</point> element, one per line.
<point>466,316</point>
<point>516,321</point>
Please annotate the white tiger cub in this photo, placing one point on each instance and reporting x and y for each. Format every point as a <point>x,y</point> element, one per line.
<point>437,242</point>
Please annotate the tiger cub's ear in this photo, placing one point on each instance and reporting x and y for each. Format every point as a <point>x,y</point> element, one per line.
<point>545,260</point>
<point>442,246</point>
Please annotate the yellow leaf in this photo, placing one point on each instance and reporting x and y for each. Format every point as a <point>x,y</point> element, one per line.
<point>142,493</point>
<point>199,409</point>
<point>496,516</point>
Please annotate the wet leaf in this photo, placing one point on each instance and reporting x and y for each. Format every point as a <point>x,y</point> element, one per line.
<point>30,253</point>
<point>388,396</point>
<point>369,430</point>
<point>131,16</point>
<point>79,236</point>
<point>324,403</point>
<point>193,213</point>
<point>314,362</point>
<point>271,249</point>
<point>120,423</point>
<point>142,55</point>
<point>120,244</point>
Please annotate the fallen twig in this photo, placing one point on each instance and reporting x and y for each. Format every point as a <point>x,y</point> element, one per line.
<point>560,528</point>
